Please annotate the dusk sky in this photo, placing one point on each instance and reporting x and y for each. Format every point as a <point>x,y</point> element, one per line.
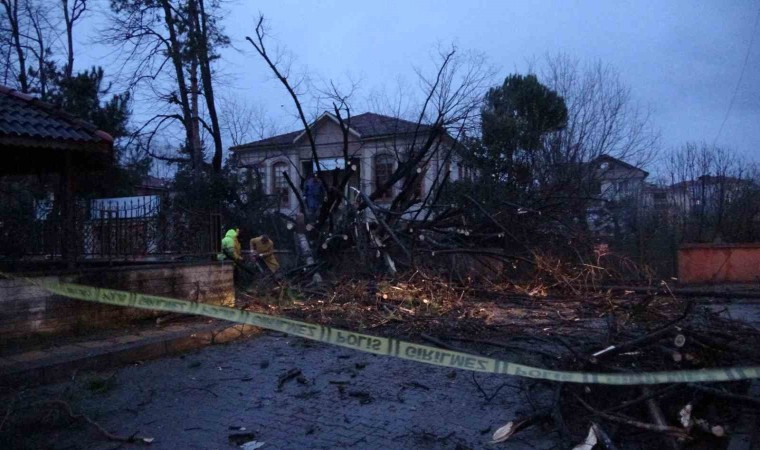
<point>682,59</point>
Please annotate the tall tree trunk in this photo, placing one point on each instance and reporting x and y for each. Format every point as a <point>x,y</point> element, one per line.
<point>38,22</point>
<point>201,26</point>
<point>196,147</point>
<point>37,28</point>
<point>175,53</point>
<point>11,9</point>
<point>70,17</point>
<point>69,39</point>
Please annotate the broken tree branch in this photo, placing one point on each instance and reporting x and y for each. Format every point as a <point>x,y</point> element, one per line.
<point>673,431</point>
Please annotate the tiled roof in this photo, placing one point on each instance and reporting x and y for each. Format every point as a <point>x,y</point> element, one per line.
<point>23,116</point>
<point>368,125</point>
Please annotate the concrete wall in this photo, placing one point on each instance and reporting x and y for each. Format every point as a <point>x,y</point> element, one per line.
<point>26,309</point>
<point>719,263</point>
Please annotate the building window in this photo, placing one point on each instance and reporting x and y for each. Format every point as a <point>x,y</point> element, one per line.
<point>464,173</point>
<point>280,184</point>
<point>258,178</point>
<point>384,166</point>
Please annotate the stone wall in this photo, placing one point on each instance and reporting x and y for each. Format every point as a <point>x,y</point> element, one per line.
<point>27,310</point>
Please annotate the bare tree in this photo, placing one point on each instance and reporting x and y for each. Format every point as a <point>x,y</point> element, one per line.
<point>243,122</point>
<point>706,185</point>
<point>205,35</point>
<point>28,30</point>
<point>40,30</point>
<point>72,12</point>
<point>13,29</point>
<point>283,76</point>
<point>182,35</point>
<point>449,104</point>
<point>603,117</point>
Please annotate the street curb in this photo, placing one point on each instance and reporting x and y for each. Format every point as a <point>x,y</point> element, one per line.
<point>101,355</point>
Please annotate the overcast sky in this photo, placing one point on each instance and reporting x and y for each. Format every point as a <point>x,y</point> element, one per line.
<point>682,59</point>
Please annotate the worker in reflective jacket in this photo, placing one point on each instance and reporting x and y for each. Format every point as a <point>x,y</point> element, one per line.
<point>231,245</point>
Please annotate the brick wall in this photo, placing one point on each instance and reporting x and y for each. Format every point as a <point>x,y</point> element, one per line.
<point>719,263</point>
<point>26,309</point>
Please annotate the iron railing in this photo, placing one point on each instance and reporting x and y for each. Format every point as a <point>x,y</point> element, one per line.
<point>142,227</point>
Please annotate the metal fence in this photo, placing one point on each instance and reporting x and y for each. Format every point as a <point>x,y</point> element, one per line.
<point>127,228</point>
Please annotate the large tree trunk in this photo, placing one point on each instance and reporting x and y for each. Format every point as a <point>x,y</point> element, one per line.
<point>37,28</point>
<point>175,53</point>
<point>304,249</point>
<point>69,39</point>
<point>11,10</point>
<point>201,26</point>
<point>195,145</point>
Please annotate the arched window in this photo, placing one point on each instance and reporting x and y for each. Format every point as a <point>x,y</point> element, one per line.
<point>280,184</point>
<point>384,166</point>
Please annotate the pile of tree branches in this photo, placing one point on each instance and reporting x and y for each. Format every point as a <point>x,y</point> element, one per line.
<point>568,327</point>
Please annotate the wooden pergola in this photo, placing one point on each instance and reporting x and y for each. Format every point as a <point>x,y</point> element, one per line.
<point>37,138</point>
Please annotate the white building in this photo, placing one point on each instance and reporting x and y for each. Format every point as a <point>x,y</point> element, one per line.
<point>376,144</point>
<point>617,180</point>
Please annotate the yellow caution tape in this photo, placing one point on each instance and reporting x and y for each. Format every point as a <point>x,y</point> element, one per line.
<point>388,346</point>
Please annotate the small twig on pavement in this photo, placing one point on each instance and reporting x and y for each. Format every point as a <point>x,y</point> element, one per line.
<point>112,437</point>
<point>487,397</point>
<point>7,412</point>
<point>289,375</point>
<point>187,388</point>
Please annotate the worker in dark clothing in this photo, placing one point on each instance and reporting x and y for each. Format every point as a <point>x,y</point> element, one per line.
<point>313,193</point>
<point>263,247</point>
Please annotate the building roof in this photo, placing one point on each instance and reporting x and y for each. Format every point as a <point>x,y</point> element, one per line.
<point>710,180</point>
<point>27,121</point>
<point>620,162</point>
<point>365,126</point>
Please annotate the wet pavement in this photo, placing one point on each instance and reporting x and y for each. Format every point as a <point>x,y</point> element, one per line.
<point>222,396</point>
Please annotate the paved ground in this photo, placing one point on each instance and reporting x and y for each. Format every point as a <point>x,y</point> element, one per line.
<point>64,356</point>
<point>345,399</point>
<point>221,396</point>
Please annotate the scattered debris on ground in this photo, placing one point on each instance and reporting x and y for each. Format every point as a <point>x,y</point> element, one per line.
<point>561,327</point>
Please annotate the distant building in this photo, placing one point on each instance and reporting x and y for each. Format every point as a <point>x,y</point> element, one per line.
<point>616,179</point>
<point>376,145</point>
<point>655,196</point>
<point>706,193</point>
<point>619,188</point>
